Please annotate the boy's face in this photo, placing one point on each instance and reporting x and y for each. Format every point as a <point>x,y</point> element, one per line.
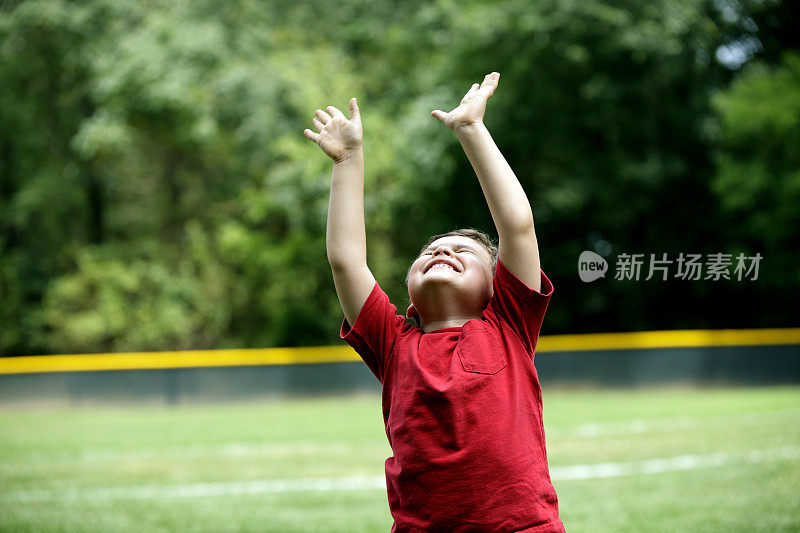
<point>455,267</point>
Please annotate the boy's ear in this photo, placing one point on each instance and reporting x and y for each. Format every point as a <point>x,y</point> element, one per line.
<point>411,312</point>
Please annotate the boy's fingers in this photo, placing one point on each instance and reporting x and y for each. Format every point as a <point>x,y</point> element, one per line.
<point>334,112</point>
<point>490,82</point>
<point>470,93</point>
<point>355,114</point>
<point>311,135</point>
<point>322,116</point>
<point>317,124</point>
<point>439,114</point>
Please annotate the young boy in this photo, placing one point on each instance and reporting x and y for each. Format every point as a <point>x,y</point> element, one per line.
<point>461,398</point>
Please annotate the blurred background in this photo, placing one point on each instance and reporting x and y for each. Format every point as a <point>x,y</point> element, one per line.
<point>156,191</point>
<point>157,194</point>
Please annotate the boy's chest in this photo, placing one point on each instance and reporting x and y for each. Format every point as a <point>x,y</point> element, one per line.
<point>453,384</point>
<point>433,356</point>
<point>447,362</point>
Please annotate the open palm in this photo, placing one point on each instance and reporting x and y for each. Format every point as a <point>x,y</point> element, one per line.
<point>472,106</point>
<point>337,135</point>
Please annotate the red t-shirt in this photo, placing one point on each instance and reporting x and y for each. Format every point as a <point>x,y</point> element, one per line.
<point>463,413</point>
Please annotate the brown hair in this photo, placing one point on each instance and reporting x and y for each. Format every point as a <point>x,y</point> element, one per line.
<point>477,236</point>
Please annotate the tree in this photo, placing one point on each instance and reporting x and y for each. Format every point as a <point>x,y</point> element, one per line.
<point>758,178</point>
<point>156,190</point>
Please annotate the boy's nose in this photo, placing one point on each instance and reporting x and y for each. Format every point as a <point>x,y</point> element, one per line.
<point>443,249</point>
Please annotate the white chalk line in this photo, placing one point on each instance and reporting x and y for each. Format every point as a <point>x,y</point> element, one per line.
<point>50,458</point>
<point>234,488</point>
<point>200,490</point>
<point>255,449</point>
<point>666,424</point>
<point>670,464</point>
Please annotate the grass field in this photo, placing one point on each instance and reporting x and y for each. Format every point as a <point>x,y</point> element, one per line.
<point>634,460</point>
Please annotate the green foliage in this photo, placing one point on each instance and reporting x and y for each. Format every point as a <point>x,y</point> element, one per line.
<point>156,190</point>
<point>114,305</point>
<point>758,181</point>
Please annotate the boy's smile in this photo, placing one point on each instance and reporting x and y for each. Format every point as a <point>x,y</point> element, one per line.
<point>441,263</point>
<point>456,254</point>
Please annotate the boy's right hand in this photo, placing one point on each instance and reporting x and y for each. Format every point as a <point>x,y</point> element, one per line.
<point>338,137</point>
<point>472,107</point>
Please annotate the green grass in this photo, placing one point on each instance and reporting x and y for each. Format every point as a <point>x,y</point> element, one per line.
<point>84,469</point>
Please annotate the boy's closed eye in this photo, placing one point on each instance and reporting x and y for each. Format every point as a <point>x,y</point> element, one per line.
<point>457,250</point>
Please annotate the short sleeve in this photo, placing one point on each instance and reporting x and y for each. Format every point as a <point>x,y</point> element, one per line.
<point>374,332</point>
<point>521,307</point>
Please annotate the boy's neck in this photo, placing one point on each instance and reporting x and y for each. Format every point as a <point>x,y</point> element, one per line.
<point>452,322</point>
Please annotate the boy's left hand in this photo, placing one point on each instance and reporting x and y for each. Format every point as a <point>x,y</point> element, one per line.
<point>472,106</point>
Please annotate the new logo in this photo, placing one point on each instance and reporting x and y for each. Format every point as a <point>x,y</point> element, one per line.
<point>591,266</point>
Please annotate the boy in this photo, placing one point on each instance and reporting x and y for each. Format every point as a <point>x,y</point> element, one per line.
<point>461,397</point>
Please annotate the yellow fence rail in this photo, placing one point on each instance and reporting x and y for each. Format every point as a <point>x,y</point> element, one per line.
<point>343,353</point>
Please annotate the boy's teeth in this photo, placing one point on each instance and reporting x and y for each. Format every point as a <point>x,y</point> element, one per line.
<point>442,265</point>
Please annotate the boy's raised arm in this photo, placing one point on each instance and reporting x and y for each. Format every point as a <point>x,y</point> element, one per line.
<point>340,138</point>
<point>508,204</point>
